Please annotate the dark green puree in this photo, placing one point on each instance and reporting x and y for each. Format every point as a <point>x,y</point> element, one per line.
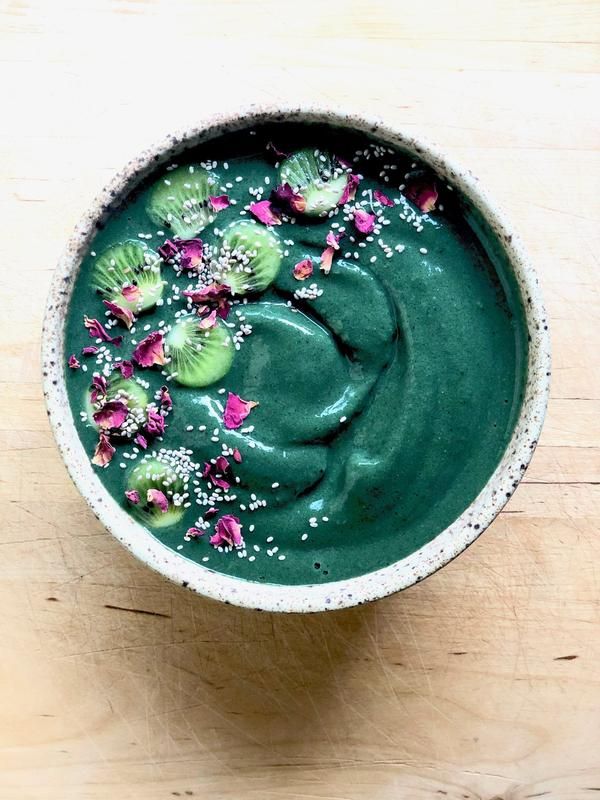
<point>423,353</point>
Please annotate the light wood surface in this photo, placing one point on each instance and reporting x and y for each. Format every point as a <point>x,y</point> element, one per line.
<point>482,682</point>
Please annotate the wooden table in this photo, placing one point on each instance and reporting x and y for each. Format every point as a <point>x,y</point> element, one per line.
<point>482,682</point>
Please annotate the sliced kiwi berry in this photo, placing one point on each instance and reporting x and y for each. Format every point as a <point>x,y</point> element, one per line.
<point>179,200</point>
<point>317,177</point>
<point>128,263</point>
<point>198,356</point>
<point>252,257</point>
<point>151,473</point>
<point>130,392</point>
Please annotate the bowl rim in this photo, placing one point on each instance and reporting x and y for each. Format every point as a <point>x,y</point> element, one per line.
<point>302,597</point>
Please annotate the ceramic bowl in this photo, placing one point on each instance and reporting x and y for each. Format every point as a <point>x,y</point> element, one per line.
<point>337,594</point>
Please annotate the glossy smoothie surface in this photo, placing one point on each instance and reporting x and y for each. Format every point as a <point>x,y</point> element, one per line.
<point>385,402</point>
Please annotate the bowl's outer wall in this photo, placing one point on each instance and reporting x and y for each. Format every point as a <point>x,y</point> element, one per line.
<point>304,598</point>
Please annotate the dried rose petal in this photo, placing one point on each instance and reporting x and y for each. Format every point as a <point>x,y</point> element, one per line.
<point>236,410</point>
<point>343,163</point>
<point>194,533</point>
<point>285,198</point>
<point>303,269</point>
<point>363,221</point>
<point>210,512</point>
<point>98,388</point>
<point>221,464</point>
<point>73,362</point>
<point>209,321</point>
<point>104,451</point>
<point>125,368</point>
<point>157,498</point>
<point>207,469</point>
<point>382,198</point>
<point>207,293</point>
<point>423,194</point>
<point>112,415</point>
<point>349,192</point>
<point>133,496</point>
<point>164,398</point>
<point>327,260</point>
<point>141,440</point>
<point>265,213</point>
<point>276,151</point>
<point>131,293</point>
<point>168,250</point>
<point>228,532</point>
<point>220,482</point>
<point>97,331</point>
<point>191,253</point>
<point>90,350</point>
<point>150,350</point>
<point>124,314</point>
<point>237,456</point>
<point>219,202</point>
<point>155,423</point>
<point>333,240</point>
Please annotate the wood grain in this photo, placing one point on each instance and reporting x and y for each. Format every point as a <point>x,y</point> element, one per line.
<point>484,681</point>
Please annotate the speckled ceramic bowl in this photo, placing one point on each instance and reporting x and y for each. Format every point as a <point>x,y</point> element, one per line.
<point>274,597</point>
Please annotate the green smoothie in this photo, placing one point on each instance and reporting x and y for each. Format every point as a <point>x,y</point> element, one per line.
<point>341,341</point>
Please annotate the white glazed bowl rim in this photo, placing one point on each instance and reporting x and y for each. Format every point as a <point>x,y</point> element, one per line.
<point>306,597</point>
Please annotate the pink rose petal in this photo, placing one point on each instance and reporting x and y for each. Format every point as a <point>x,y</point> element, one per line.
<point>237,456</point>
<point>141,440</point>
<point>98,388</point>
<point>219,202</point>
<point>90,350</point>
<point>125,368</point>
<point>209,321</point>
<point>383,198</point>
<point>194,533</point>
<point>104,451</point>
<point>168,250</point>
<point>423,194</point>
<point>97,331</point>
<point>333,240</point>
<point>327,260</point>
<point>191,253</point>
<point>343,163</point>
<point>73,362</point>
<point>210,512</point>
<point>124,314</point>
<point>265,213</point>
<point>220,482</point>
<point>164,398</point>
<point>221,464</point>
<point>207,469</point>
<point>133,496</point>
<point>236,410</point>
<point>131,293</point>
<point>303,269</point>
<point>228,532</point>
<point>150,350</point>
<point>112,415</point>
<point>286,199</point>
<point>215,291</point>
<point>155,423</point>
<point>363,221</point>
<point>349,192</point>
<point>157,498</point>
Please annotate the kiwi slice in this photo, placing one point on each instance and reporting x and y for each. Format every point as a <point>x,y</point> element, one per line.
<point>128,390</point>
<point>317,177</point>
<point>198,357</point>
<point>128,263</point>
<point>252,257</point>
<point>152,473</point>
<point>179,200</point>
